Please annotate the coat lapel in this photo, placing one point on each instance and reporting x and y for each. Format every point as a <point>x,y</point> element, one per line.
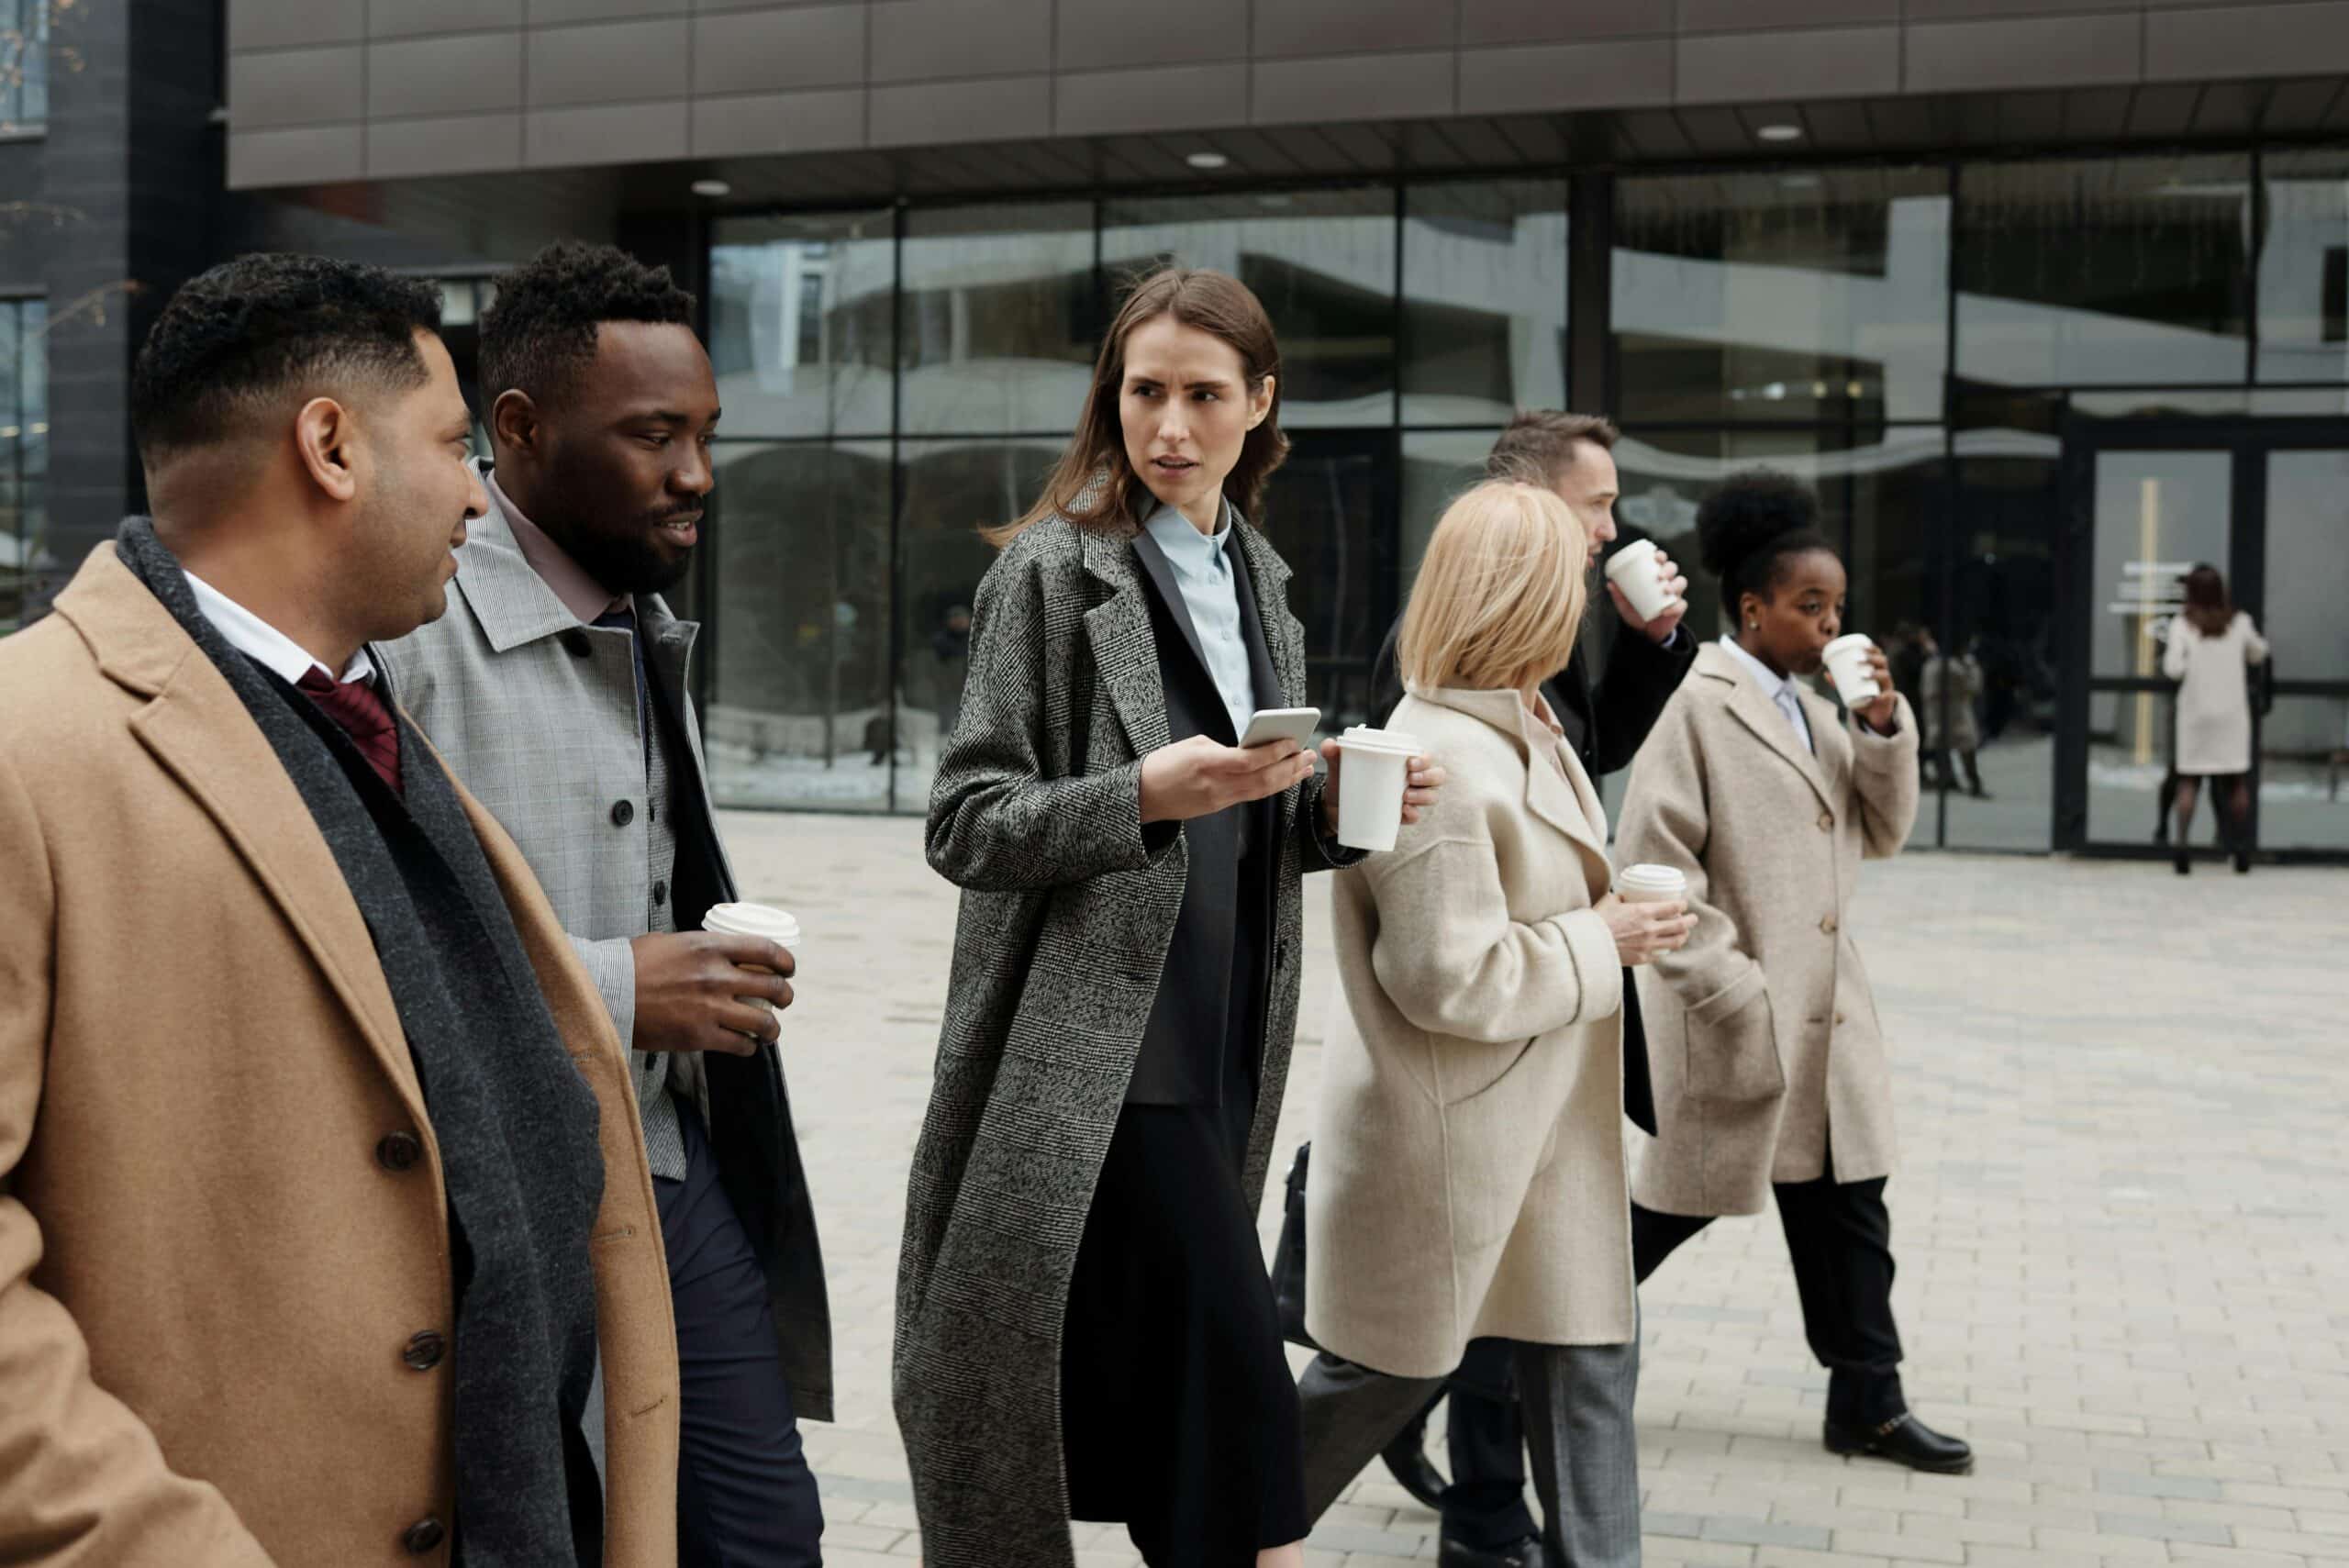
<point>1560,795</point>
<point>1124,652</point>
<point>1760,714</point>
<point>1284,637</point>
<point>198,729</point>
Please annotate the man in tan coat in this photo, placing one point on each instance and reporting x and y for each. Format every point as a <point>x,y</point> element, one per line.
<point>318,1171</point>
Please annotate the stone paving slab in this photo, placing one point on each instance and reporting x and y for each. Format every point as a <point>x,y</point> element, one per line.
<point>2122,1223</point>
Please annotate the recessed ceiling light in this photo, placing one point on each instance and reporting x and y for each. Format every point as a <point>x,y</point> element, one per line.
<point>1782,132</point>
<point>1206,161</point>
<point>712,188</point>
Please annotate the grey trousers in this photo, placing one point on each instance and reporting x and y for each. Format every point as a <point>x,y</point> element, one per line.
<point>1579,1432</point>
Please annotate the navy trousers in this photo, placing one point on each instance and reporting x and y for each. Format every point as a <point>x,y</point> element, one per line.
<point>745,1496</point>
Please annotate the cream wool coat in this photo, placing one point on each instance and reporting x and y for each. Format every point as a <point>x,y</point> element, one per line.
<point>1763,1034</point>
<point>1468,1173</point>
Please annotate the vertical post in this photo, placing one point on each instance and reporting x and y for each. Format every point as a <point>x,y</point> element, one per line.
<point>1590,288</point>
<point>2149,544</point>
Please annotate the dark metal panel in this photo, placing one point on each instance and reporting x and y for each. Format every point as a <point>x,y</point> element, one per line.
<point>2230,108</point>
<point>2163,110</point>
<point>1720,132</point>
<point>2097,113</point>
<point>1480,141</point>
<point>2299,106</point>
<point>1651,134</point>
<point>1839,125</point>
<point>1536,138</point>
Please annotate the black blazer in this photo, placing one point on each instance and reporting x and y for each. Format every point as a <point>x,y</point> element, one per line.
<point>1606,728</point>
<point>1204,1037</point>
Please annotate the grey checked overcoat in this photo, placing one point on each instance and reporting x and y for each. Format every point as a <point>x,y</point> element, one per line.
<point>1068,905</point>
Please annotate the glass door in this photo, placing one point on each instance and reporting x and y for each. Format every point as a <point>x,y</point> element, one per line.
<point>2301,804</point>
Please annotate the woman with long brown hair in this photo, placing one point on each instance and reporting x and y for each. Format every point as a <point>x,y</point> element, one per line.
<point>1084,1328</point>
<point>2210,644</point>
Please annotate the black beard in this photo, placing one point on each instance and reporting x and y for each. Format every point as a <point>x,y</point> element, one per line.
<point>628,563</point>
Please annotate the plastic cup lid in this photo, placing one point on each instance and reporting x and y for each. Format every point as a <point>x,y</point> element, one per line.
<point>1652,878</point>
<point>1370,739</point>
<point>753,920</point>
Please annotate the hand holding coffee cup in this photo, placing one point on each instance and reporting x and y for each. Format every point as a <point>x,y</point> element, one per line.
<point>1201,776</point>
<point>1389,785</point>
<point>720,988</point>
<point>1863,678</point>
<point>1647,587</point>
<point>1648,912</point>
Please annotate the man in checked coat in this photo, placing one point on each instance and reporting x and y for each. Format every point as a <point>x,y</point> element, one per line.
<point>557,688</point>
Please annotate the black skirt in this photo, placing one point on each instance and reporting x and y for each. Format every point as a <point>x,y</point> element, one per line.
<point>1178,1410</point>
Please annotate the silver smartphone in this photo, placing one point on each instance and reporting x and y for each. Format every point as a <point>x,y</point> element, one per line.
<point>1271,724</point>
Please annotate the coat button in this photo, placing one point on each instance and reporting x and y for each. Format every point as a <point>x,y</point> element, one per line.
<point>424,1351</point>
<point>1827,925</point>
<point>1827,822</point>
<point>1839,1017</point>
<point>576,643</point>
<point>398,1150</point>
<point>660,893</point>
<point>623,813</point>
<point>423,1536</point>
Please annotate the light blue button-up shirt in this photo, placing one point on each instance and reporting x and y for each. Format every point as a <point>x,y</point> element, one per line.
<point>1202,564</point>
<point>1779,689</point>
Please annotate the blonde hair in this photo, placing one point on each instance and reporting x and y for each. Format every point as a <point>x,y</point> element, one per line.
<point>1501,594</point>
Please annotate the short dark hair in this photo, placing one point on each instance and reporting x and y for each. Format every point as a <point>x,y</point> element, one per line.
<point>265,326</point>
<point>1538,442</point>
<point>1753,522</point>
<point>541,331</point>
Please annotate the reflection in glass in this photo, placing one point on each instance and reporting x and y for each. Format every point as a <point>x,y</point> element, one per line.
<point>1820,294</point>
<point>2303,769</point>
<point>30,574</point>
<point>2304,266</point>
<point>1329,511</point>
<point>799,697</point>
<point>952,489</point>
<point>2157,513</point>
<point>2001,604</point>
<point>1436,466</point>
<point>1483,300</point>
<point>2308,535</point>
<point>998,317</point>
<point>800,322</point>
<point>1322,261</point>
<point>2124,270</point>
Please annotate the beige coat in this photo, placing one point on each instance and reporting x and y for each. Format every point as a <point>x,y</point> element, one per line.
<point>1763,1034</point>
<point>211,1255</point>
<point>2213,701</point>
<point>1468,1173</point>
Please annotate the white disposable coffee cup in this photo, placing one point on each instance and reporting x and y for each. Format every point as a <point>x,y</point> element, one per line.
<point>1847,661</point>
<point>1375,771</point>
<point>1633,569</point>
<point>777,926</point>
<point>1651,884</point>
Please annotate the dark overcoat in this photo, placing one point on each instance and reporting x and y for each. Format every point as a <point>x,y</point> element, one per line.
<point>1069,904</point>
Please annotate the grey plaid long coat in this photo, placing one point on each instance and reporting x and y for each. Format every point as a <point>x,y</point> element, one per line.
<point>1068,907</point>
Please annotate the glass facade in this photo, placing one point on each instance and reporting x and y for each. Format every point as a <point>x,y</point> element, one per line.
<point>30,572</point>
<point>1915,342</point>
<point>23,63</point>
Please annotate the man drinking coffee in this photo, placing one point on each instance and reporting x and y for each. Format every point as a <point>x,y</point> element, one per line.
<point>557,687</point>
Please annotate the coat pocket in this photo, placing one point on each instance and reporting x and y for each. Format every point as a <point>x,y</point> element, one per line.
<point>1736,1057</point>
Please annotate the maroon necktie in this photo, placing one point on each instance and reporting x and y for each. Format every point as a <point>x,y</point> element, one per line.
<point>356,707</point>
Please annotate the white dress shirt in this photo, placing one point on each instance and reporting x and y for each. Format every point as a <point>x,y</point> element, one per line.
<point>263,643</point>
<point>1779,689</point>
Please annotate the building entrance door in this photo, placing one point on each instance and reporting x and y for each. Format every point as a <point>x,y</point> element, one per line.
<point>2268,503</point>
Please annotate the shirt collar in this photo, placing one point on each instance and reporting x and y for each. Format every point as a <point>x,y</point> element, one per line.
<point>1771,683</point>
<point>581,594</point>
<point>1180,538</point>
<point>263,643</point>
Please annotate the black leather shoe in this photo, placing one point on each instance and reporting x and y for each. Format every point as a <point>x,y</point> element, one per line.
<point>2184,861</point>
<point>1904,1439</point>
<point>1407,1461</point>
<point>1525,1553</point>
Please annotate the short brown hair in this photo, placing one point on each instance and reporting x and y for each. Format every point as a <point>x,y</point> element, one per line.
<point>1539,444</point>
<point>1500,599</point>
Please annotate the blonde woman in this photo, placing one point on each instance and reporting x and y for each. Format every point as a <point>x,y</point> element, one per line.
<point>1468,1175</point>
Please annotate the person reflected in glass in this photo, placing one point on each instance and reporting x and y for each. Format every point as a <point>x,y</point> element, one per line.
<point>2210,646</point>
<point>1950,693</point>
<point>1085,1328</point>
<point>1767,799</point>
<point>1468,1172</point>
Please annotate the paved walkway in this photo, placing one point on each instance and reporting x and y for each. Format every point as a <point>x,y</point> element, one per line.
<point>2122,1223</point>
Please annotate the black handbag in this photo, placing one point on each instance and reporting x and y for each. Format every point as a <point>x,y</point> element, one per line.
<point>1288,1257</point>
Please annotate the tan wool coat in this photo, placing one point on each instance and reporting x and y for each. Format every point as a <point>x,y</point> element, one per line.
<point>1468,1170</point>
<point>221,1211</point>
<point>1763,1035</point>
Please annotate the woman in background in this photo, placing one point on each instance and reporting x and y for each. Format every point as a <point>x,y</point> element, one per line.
<point>2210,645</point>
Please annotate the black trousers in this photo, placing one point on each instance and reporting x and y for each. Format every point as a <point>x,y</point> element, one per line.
<point>745,1496</point>
<point>1839,1238</point>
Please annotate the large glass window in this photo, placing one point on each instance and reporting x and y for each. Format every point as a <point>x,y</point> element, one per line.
<point>798,611</point>
<point>1783,295</point>
<point>1483,300</point>
<point>800,323</point>
<point>30,573</point>
<point>2119,271</point>
<point>999,326</point>
<point>2304,266</point>
<point>1322,261</point>
<point>23,63</point>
